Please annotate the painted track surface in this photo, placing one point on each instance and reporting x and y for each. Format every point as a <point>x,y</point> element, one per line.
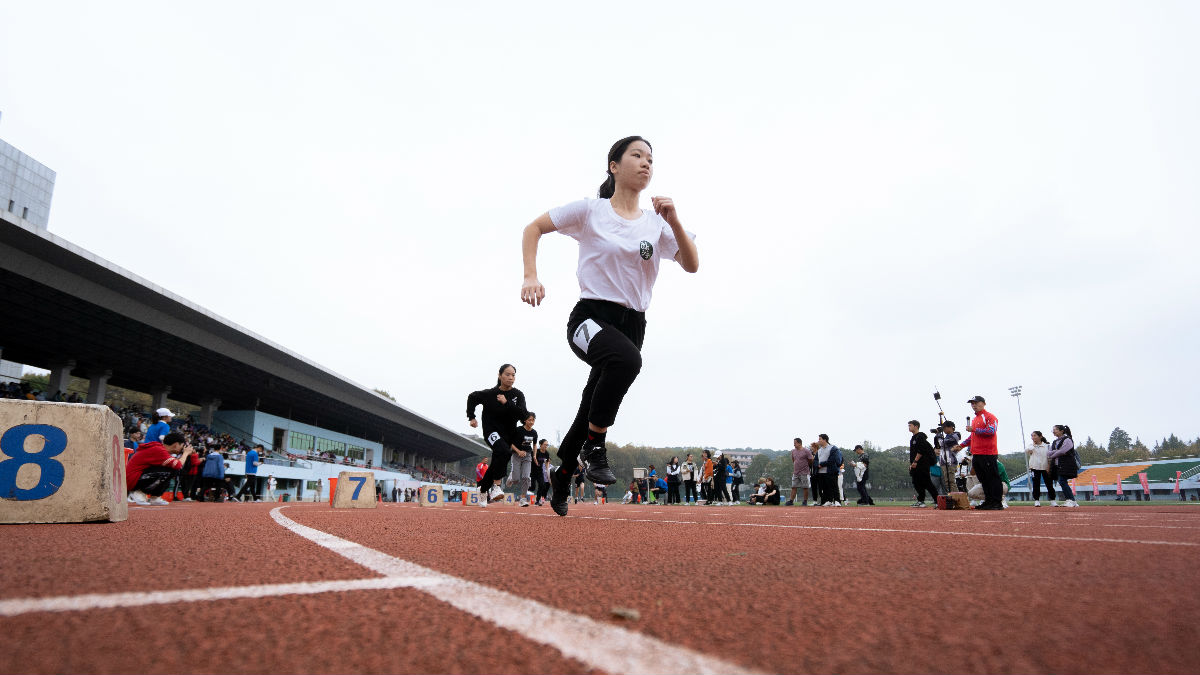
<point>894,590</point>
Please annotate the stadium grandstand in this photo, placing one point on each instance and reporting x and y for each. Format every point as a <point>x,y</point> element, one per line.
<point>74,314</point>
<point>1177,479</point>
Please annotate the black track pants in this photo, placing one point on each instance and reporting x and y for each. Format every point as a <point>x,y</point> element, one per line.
<point>154,482</point>
<point>498,467</point>
<point>607,337</point>
<point>989,478</point>
<point>1040,476</point>
<point>923,482</point>
<point>864,497</point>
<point>720,491</point>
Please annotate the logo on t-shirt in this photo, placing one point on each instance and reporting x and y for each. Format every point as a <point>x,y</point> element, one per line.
<point>646,249</point>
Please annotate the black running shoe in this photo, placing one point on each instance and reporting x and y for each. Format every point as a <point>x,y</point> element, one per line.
<point>594,458</point>
<point>560,492</point>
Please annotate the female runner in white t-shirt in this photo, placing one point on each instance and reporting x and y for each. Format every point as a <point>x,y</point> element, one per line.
<point>620,246</point>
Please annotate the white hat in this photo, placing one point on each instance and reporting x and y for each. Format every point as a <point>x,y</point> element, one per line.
<point>164,412</point>
<point>717,454</point>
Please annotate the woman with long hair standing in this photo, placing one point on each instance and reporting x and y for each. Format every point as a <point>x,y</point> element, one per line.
<point>620,248</point>
<point>735,472</point>
<point>1039,468</point>
<point>719,491</point>
<point>706,477</point>
<point>1065,462</point>
<point>503,409</point>
<point>673,481</point>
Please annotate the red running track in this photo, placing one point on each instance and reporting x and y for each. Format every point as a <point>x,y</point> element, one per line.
<point>767,589</point>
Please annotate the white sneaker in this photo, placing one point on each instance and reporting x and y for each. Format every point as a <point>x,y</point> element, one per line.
<point>138,497</point>
<point>1038,503</point>
<point>837,503</point>
<point>1054,502</point>
<point>524,502</point>
<point>189,499</point>
<point>827,504</point>
<point>483,502</point>
<point>495,494</point>
<point>158,501</point>
<point>1004,502</point>
<point>921,505</point>
<point>1071,504</point>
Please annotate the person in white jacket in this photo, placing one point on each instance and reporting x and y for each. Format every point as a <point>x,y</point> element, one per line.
<point>1039,468</point>
<point>688,473</point>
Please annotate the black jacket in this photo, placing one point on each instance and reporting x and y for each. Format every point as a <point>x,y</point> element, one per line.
<point>499,418</point>
<point>921,451</point>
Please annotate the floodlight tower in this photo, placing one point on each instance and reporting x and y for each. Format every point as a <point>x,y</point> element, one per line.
<point>1016,393</point>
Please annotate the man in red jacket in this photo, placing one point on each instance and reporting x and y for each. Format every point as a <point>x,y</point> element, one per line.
<point>984,452</point>
<point>153,466</point>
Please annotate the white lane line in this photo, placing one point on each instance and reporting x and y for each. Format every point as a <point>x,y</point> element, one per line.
<point>82,603</point>
<point>999,535</point>
<point>1161,527</point>
<point>594,643</point>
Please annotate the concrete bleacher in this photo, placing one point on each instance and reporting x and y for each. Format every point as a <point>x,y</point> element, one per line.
<point>1160,475</point>
<point>1107,475</point>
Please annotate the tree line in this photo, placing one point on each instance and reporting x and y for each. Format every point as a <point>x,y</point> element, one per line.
<point>889,476</point>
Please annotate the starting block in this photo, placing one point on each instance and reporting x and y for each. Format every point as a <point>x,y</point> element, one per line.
<point>430,495</point>
<point>355,490</point>
<point>470,498</point>
<point>60,463</point>
<point>953,501</point>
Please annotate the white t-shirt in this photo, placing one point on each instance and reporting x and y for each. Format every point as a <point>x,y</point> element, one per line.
<point>618,258</point>
<point>823,456</point>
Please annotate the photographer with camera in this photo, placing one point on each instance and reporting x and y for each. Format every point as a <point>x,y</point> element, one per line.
<point>949,459</point>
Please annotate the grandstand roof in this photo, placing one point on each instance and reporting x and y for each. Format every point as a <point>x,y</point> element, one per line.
<point>59,301</point>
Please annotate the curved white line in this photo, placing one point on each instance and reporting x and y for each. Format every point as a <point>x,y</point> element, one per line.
<point>594,643</point>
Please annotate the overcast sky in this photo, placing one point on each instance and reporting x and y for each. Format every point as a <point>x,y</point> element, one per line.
<point>886,196</point>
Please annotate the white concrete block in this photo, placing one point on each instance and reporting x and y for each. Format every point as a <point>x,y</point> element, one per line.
<point>355,490</point>
<point>60,463</point>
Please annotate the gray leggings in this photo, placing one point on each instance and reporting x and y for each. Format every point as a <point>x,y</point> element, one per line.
<point>519,473</point>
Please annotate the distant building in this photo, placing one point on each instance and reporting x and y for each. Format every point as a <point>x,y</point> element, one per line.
<point>743,457</point>
<point>26,187</point>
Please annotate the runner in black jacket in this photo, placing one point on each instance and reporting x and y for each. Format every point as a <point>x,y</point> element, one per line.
<point>920,457</point>
<point>503,409</point>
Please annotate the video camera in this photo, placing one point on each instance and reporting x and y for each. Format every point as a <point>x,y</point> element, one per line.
<point>937,397</point>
